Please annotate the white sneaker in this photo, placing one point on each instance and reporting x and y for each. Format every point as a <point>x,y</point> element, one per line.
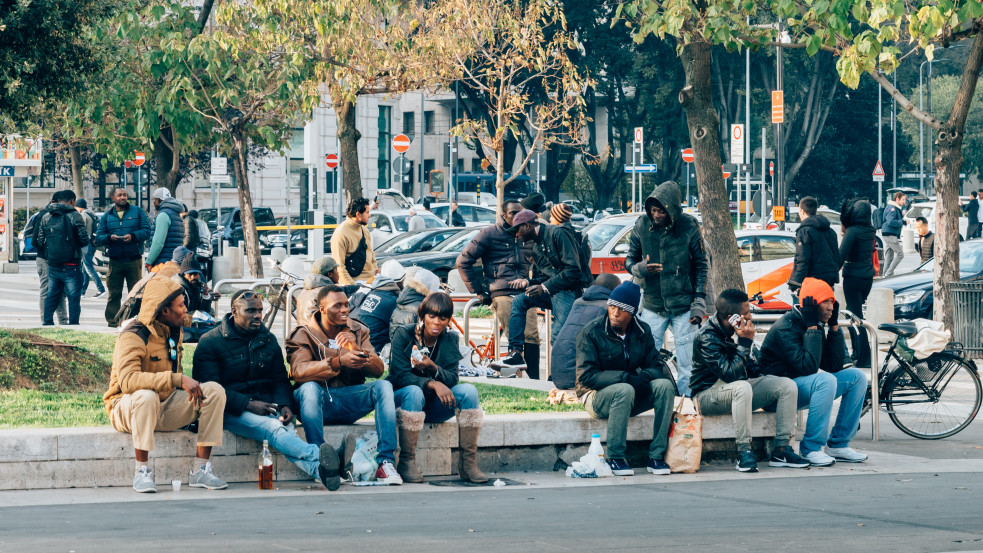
<point>846,454</point>
<point>819,459</point>
<point>101,295</point>
<point>143,481</point>
<point>388,475</point>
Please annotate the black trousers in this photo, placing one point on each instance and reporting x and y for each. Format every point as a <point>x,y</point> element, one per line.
<point>855,292</point>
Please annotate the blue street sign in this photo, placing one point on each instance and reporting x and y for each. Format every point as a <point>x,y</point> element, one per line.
<point>6,170</point>
<point>643,168</point>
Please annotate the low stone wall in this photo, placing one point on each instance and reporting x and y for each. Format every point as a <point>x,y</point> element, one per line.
<point>90,457</point>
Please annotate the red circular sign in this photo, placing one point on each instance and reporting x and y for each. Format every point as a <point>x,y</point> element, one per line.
<point>331,160</point>
<point>138,158</point>
<point>688,156</point>
<point>401,143</point>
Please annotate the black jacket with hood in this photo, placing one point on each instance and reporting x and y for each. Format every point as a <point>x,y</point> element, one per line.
<point>859,241</point>
<point>678,246</point>
<point>503,259</point>
<point>60,235</point>
<point>816,253</point>
<point>556,260</point>
<point>791,350</point>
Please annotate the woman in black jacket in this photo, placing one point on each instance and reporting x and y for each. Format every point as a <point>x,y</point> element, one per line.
<point>857,252</point>
<point>423,369</point>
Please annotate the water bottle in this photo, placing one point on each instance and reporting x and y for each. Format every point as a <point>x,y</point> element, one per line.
<point>595,446</point>
<point>266,467</point>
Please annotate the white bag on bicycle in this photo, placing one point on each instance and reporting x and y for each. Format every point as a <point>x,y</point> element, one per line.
<point>932,337</point>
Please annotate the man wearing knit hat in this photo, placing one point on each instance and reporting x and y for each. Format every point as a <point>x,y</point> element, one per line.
<point>666,252</point>
<point>806,345</point>
<point>621,374</point>
<point>560,214</point>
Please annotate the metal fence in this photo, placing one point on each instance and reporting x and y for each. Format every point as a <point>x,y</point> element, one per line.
<point>967,314</point>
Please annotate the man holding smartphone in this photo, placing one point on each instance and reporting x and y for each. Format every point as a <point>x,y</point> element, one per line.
<point>726,381</point>
<point>244,357</point>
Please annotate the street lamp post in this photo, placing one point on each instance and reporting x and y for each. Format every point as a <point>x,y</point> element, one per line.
<point>921,125</point>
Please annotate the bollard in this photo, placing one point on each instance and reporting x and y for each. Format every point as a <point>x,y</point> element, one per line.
<point>221,269</point>
<point>908,241</point>
<point>236,266</point>
<point>278,254</point>
<point>880,309</point>
<point>838,294</point>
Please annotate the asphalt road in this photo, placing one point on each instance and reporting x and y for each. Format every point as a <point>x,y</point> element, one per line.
<point>898,512</point>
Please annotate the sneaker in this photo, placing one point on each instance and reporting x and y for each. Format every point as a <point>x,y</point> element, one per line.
<point>388,475</point>
<point>345,453</point>
<point>203,478</point>
<point>327,469</point>
<point>746,462</point>
<point>511,365</point>
<point>658,466</point>
<point>143,481</point>
<point>514,359</point>
<point>101,295</point>
<point>819,459</point>
<point>789,459</point>
<point>620,467</point>
<point>846,454</point>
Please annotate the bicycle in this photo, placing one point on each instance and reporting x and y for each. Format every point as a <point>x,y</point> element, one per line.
<point>930,398</point>
<point>281,287</point>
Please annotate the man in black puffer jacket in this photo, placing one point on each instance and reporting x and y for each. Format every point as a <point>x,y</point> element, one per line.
<point>816,252</point>
<point>244,357</point>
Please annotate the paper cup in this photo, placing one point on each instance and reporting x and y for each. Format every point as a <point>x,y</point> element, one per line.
<point>176,485</point>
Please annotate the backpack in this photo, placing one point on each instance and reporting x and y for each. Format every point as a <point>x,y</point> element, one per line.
<point>355,261</point>
<point>57,243</point>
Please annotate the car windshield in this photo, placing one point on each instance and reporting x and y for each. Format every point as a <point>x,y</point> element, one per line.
<point>919,211</point>
<point>833,218</point>
<point>456,244</point>
<point>410,243</point>
<point>432,221</point>
<point>601,234</point>
<point>970,259</point>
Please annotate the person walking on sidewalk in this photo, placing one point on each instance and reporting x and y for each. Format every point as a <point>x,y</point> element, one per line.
<point>60,236</point>
<point>148,392</point>
<point>42,267</point>
<point>816,251</point>
<point>972,211</point>
<point>122,230</point>
<point>88,265</point>
<point>167,229</point>
<point>666,251</point>
<point>891,233</point>
<point>423,371</point>
<point>244,357</point>
<point>857,251</point>
<point>726,382</point>
<point>621,374</point>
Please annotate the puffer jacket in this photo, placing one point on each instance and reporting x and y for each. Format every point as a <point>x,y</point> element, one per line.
<point>563,367</point>
<point>67,239</point>
<point>311,356</point>
<point>248,367</point>
<point>816,253</point>
<point>716,356</point>
<point>893,220</point>
<point>503,259</point>
<point>134,221</point>
<point>556,260</point>
<point>791,350</point>
<point>447,358</point>
<point>169,218</point>
<point>375,311</point>
<point>407,304</point>
<point>604,359</point>
<point>142,358</point>
<point>678,246</point>
<point>859,241</point>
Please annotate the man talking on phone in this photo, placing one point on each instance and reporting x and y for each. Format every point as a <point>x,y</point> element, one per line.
<point>726,380</point>
<point>148,392</point>
<point>244,357</point>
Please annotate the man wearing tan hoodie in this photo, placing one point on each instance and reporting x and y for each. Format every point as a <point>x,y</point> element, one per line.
<point>148,391</point>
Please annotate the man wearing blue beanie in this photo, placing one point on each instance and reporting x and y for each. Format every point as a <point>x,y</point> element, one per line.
<point>621,374</point>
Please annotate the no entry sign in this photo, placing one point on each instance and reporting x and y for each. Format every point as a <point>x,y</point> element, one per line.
<point>401,143</point>
<point>688,156</point>
<point>331,160</point>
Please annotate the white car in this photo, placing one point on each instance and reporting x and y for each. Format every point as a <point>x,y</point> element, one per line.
<point>386,224</point>
<point>474,215</point>
<point>792,221</point>
<point>766,257</point>
<point>929,210</point>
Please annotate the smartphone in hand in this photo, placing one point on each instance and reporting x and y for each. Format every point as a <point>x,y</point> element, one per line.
<point>735,320</point>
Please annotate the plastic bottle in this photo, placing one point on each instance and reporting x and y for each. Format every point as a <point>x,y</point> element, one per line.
<point>595,446</point>
<point>266,468</point>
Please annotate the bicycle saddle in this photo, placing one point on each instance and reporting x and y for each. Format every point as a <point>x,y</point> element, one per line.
<point>905,329</point>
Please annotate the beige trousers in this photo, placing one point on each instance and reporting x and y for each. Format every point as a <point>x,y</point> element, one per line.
<point>141,413</point>
<point>502,307</point>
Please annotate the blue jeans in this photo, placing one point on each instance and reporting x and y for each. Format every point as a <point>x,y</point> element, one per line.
<point>281,438</point>
<point>63,279</point>
<point>817,392</point>
<point>89,271</point>
<point>345,405</point>
<point>412,398</point>
<point>560,303</point>
<point>683,336</point>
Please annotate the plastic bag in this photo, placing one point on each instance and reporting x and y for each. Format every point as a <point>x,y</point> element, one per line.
<point>589,466</point>
<point>364,463</point>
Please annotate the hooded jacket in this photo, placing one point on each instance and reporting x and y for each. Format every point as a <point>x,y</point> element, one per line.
<point>563,367</point>
<point>893,220</point>
<point>447,358</point>
<point>503,259</point>
<point>408,303</point>
<point>60,235</point>
<point>134,222</point>
<point>678,246</point>
<point>859,241</point>
<point>142,359</point>
<point>603,358</point>
<point>375,311</point>
<point>816,253</point>
<point>556,260</point>
<point>791,350</point>
<point>312,359</point>
<point>716,356</point>
<point>168,232</point>
<point>247,366</point>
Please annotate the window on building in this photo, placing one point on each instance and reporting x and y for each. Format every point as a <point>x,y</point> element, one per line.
<point>409,123</point>
<point>428,165</point>
<point>429,124</point>
<point>476,165</point>
<point>385,138</point>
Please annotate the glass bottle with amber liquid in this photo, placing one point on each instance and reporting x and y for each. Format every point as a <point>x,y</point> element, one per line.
<point>266,468</point>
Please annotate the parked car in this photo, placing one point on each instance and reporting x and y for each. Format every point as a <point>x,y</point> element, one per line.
<point>441,259</point>
<point>600,214</point>
<point>392,199</point>
<point>386,224</point>
<point>416,241</point>
<point>230,226</point>
<point>929,210</point>
<point>474,215</point>
<point>578,219</point>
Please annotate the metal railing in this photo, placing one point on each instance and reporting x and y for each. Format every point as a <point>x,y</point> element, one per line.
<point>967,315</point>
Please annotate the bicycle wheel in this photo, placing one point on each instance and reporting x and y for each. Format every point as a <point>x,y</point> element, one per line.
<point>951,403</point>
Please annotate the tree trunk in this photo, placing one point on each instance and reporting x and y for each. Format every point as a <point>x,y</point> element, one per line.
<point>76,158</point>
<point>348,137</point>
<point>703,124</point>
<point>249,235</point>
<point>167,157</point>
<point>948,163</point>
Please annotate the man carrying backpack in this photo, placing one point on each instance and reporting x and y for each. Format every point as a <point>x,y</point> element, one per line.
<point>60,236</point>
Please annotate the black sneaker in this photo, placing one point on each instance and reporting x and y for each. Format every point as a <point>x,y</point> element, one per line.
<point>514,359</point>
<point>327,469</point>
<point>787,458</point>
<point>746,462</point>
<point>658,467</point>
<point>620,467</point>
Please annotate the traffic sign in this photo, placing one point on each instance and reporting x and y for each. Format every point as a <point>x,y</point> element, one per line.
<point>401,143</point>
<point>138,158</point>
<point>771,168</point>
<point>220,166</point>
<point>220,179</point>
<point>737,144</point>
<point>639,133</point>
<point>725,172</point>
<point>402,166</point>
<point>777,106</point>
<point>878,172</point>
<point>331,160</point>
<point>127,163</point>
<point>6,170</point>
<point>642,168</point>
<point>688,156</point>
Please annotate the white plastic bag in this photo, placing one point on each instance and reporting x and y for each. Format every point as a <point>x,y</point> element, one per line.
<point>364,464</point>
<point>932,337</point>
<point>589,466</point>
